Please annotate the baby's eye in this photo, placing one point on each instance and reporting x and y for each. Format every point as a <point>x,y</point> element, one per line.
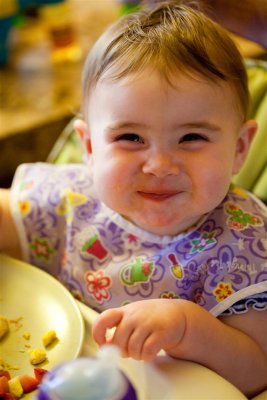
<point>131,137</point>
<point>191,137</point>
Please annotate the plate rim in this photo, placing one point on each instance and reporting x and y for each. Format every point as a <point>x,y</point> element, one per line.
<point>22,264</point>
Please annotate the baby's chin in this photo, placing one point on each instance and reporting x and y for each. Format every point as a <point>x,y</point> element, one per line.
<point>165,229</point>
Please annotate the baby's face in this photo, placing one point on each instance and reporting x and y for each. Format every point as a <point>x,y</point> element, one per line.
<point>162,156</point>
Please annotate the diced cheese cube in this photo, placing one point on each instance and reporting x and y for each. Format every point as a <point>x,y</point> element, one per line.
<point>37,356</point>
<point>49,337</point>
<point>15,387</point>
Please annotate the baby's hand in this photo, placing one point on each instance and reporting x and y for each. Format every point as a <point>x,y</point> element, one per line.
<point>143,328</point>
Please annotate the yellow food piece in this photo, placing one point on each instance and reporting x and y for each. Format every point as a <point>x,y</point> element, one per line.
<point>17,323</point>
<point>2,365</point>
<point>37,356</point>
<point>26,335</point>
<point>49,338</point>
<point>4,327</point>
<point>15,387</point>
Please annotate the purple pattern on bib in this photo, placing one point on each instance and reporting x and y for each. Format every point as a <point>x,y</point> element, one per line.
<point>71,235</point>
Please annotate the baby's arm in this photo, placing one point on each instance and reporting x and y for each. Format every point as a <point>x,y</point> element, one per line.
<point>235,347</point>
<point>9,240</point>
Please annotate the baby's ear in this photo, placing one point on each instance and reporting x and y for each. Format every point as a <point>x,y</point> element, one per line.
<point>81,128</point>
<point>246,135</point>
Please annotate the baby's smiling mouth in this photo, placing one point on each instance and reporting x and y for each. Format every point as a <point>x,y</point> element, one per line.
<point>158,196</point>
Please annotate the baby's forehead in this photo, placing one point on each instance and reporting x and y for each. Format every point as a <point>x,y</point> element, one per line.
<point>148,88</point>
<point>176,78</point>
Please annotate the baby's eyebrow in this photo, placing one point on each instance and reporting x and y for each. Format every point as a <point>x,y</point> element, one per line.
<point>199,125</point>
<point>180,126</point>
<point>126,124</point>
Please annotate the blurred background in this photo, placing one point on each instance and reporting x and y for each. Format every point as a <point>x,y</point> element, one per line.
<point>43,47</point>
<point>43,44</point>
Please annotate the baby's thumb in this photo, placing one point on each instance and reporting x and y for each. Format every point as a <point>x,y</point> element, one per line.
<point>107,320</point>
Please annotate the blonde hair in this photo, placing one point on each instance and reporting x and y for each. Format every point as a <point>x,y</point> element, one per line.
<point>170,37</point>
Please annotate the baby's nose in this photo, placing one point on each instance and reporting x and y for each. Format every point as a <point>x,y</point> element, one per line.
<point>161,165</point>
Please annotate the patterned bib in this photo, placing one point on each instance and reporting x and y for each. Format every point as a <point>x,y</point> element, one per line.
<point>106,261</point>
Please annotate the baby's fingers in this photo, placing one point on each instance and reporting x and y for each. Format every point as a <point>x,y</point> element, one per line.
<point>107,320</point>
<point>152,346</point>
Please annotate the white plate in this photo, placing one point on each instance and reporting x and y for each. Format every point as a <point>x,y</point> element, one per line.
<point>43,304</point>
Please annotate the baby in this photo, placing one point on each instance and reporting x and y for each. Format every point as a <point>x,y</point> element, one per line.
<point>148,230</point>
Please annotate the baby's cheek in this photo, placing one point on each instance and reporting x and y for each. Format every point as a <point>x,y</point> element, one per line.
<point>109,189</point>
<point>212,185</point>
